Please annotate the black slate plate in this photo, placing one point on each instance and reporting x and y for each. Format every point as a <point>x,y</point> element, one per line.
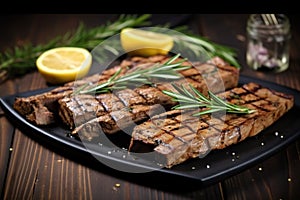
<point>217,165</point>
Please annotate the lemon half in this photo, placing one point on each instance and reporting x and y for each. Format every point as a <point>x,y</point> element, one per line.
<point>145,43</point>
<point>64,64</point>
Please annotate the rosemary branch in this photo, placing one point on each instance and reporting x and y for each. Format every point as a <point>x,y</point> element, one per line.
<point>21,59</point>
<point>212,104</point>
<point>168,70</point>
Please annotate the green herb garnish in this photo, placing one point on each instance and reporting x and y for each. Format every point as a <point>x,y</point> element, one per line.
<point>213,104</point>
<point>168,70</point>
<point>21,59</point>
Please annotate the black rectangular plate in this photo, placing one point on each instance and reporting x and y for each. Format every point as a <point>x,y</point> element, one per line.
<point>217,165</point>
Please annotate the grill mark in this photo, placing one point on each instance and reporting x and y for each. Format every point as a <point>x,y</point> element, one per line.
<point>79,109</point>
<point>180,138</point>
<point>109,101</point>
<point>236,127</point>
<point>163,131</point>
<point>257,107</point>
<point>274,104</point>
<point>183,125</point>
<point>159,125</point>
<point>129,98</point>
<point>254,91</point>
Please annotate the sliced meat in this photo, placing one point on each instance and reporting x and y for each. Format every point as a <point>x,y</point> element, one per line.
<point>113,122</point>
<point>118,111</point>
<point>120,104</point>
<point>178,136</point>
<point>78,109</point>
<point>125,106</point>
<point>33,106</point>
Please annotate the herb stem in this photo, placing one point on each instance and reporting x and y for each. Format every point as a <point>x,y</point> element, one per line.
<point>187,100</point>
<point>167,70</point>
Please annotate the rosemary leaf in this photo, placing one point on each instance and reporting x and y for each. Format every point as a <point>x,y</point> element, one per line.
<point>164,76</point>
<point>180,98</point>
<point>200,96</point>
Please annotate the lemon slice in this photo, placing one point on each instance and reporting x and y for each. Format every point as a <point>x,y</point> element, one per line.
<point>64,64</point>
<point>144,42</point>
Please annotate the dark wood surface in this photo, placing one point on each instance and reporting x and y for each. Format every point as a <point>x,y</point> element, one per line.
<point>30,169</point>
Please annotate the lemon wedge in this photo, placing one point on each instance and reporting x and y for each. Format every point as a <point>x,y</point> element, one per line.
<point>64,64</point>
<point>145,43</point>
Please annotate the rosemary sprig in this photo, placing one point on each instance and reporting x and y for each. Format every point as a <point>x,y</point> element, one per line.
<point>187,100</point>
<point>168,70</point>
<point>21,59</point>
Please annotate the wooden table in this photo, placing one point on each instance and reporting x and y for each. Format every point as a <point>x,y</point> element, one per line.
<point>30,169</point>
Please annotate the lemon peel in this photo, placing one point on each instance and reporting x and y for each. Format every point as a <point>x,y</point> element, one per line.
<point>64,64</point>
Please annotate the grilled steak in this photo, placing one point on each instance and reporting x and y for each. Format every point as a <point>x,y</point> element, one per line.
<point>111,112</point>
<point>42,109</point>
<point>117,111</point>
<point>177,136</point>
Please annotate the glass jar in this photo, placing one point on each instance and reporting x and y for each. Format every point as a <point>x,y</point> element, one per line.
<point>268,42</point>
